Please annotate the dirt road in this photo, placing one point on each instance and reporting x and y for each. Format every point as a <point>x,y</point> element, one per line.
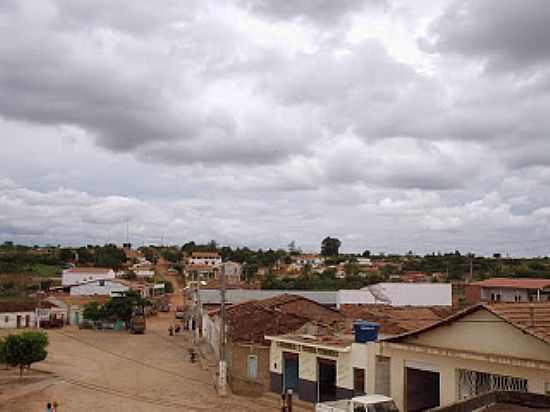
<point>119,372</point>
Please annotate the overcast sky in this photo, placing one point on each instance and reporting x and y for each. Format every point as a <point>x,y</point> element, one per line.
<point>390,124</point>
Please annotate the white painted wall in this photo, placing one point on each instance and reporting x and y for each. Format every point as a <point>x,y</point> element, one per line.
<point>8,320</point>
<point>506,294</point>
<point>95,288</point>
<point>415,294</point>
<point>70,277</point>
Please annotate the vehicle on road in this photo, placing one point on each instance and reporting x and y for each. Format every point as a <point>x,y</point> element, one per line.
<point>180,312</point>
<point>137,324</point>
<point>366,403</point>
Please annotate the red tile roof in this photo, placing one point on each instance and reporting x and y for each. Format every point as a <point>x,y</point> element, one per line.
<point>395,320</point>
<point>250,321</point>
<point>205,255</point>
<point>515,283</point>
<point>531,318</point>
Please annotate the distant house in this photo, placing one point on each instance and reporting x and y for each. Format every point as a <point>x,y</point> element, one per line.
<point>77,275</point>
<point>73,306</point>
<point>198,272</point>
<point>248,323</point>
<point>482,349</point>
<point>24,313</point>
<point>308,259</point>
<point>143,269</point>
<point>399,294</point>
<point>204,258</point>
<point>232,271</point>
<point>16,315</point>
<point>508,290</point>
<point>99,287</point>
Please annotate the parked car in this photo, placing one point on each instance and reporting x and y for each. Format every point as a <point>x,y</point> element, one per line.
<point>180,312</point>
<point>366,403</point>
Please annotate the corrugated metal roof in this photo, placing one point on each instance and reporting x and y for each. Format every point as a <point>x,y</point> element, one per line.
<point>234,296</point>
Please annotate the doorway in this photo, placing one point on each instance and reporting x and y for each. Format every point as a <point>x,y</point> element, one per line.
<point>27,321</point>
<point>291,368</point>
<point>422,388</point>
<point>327,379</point>
<point>18,320</point>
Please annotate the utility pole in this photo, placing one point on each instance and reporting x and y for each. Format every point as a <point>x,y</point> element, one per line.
<point>222,375</point>
<point>197,308</point>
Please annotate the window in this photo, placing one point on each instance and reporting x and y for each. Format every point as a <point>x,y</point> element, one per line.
<point>252,367</point>
<point>547,388</point>
<point>6,319</point>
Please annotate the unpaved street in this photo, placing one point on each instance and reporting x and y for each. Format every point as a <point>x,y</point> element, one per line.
<point>117,371</point>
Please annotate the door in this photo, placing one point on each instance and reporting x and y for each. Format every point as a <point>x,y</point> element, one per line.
<point>27,321</point>
<point>291,367</point>
<point>358,381</point>
<point>422,389</point>
<point>327,379</point>
<point>77,318</point>
<point>18,321</point>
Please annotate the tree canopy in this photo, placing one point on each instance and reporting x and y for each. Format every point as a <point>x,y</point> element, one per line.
<point>24,349</point>
<point>330,246</point>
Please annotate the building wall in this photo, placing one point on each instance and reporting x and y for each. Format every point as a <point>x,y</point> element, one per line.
<point>483,332</point>
<point>357,357</point>
<point>238,379</point>
<point>447,368</point>
<point>211,331</point>
<point>506,294</point>
<point>74,278</point>
<point>90,289</point>
<point>11,318</point>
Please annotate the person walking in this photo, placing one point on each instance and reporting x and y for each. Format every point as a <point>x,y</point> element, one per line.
<point>49,407</point>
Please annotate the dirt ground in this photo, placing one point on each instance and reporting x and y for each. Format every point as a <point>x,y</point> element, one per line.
<point>115,371</point>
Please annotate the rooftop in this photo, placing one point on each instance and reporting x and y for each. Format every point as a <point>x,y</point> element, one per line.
<point>515,283</point>
<point>28,305</point>
<point>252,320</point>
<point>330,341</point>
<point>86,269</point>
<point>205,255</point>
<point>531,318</point>
<point>395,320</point>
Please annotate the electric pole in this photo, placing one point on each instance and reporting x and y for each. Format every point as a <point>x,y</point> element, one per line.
<point>222,375</point>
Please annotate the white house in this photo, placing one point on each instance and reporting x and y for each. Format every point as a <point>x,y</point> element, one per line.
<point>204,258</point>
<point>78,275</point>
<point>307,259</point>
<point>15,315</point>
<point>399,294</point>
<point>99,287</point>
<point>144,270</point>
<point>232,270</point>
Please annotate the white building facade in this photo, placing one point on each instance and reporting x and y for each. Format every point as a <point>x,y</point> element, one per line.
<point>78,275</point>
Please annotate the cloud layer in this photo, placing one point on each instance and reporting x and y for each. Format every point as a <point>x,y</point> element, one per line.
<point>300,117</point>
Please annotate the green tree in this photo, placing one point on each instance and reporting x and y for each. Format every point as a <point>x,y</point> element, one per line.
<point>330,246</point>
<point>25,349</point>
<point>93,311</point>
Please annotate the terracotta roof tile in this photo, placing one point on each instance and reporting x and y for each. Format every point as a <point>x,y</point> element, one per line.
<point>395,320</point>
<point>516,283</point>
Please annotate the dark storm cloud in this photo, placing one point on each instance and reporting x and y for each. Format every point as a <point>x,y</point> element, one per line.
<point>508,35</point>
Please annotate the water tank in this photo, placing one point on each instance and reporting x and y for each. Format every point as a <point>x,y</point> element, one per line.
<point>365,331</point>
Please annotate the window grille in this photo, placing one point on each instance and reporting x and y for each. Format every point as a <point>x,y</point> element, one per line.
<point>473,383</point>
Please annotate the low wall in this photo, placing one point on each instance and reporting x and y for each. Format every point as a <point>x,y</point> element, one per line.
<point>525,399</point>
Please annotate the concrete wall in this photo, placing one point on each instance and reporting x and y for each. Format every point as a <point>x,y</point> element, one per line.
<point>239,381</point>
<point>483,332</point>
<point>480,333</point>
<point>506,294</point>
<point>345,362</point>
<point>8,320</point>
<point>73,278</point>
<point>91,289</point>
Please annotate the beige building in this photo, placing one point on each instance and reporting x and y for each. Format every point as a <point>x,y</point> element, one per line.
<point>482,349</point>
<point>318,368</point>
